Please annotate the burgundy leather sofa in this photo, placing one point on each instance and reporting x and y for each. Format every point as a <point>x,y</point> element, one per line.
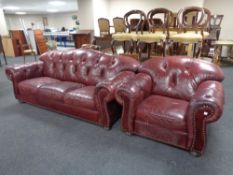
<point>80,83</point>
<point>172,100</point>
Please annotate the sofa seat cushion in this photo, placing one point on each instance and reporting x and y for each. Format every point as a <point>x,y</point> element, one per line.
<point>56,91</point>
<point>82,97</point>
<point>164,112</point>
<point>30,86</point>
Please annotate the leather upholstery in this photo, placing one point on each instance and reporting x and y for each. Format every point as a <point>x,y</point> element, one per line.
<point>28,89</point>
<point>164,109</point>
<point>83,97</point>
<point>67,82</point>
<point>171,74</point>
<point>57,90</point>
<point>171,100</point>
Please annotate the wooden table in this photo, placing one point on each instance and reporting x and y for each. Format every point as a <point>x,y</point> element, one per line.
<point>218,50</point>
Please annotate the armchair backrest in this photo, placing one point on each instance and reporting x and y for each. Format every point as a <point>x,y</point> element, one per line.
<point>179,77</point>
<point>85,66</point>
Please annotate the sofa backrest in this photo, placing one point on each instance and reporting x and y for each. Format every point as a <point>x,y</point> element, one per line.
<point>85,66</point>
<point>179,77</point>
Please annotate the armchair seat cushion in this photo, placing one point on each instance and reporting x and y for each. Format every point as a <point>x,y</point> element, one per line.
<point>164,112</point>
<point>31,86</point>
<point>57,90</point>
<point>82,97</point>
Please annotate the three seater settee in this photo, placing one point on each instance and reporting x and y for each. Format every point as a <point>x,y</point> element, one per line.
<point>172,100</point>
<point>78,82</point>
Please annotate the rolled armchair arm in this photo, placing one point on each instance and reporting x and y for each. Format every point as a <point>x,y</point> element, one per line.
<point>209,99</point>
<point>105,94</point>
<point>206,106</point>
<point>19,72</point>
<point>130,94</point>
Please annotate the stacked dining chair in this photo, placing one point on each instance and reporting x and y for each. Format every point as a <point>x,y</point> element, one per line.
<point>129,35</point>
<point>158,31</point>
<point>192,32</point>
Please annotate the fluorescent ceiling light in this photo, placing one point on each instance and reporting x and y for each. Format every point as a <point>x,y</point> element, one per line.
<point>57,3</point>
<point>20,13</point>
<point>11,8</point>
<point>52,10</point>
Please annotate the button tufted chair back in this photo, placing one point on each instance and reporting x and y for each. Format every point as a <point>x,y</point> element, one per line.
<point>85,66</point>
<point>179,77</point>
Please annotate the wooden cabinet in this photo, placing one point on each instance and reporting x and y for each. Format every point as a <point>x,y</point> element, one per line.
<point>40,41</point>
<point>16,36</point>
<point>83,37</point>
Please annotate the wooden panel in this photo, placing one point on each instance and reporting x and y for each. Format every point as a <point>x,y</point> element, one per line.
<point>83,37</point>
<point>40,41</point>
<point>8,46</point>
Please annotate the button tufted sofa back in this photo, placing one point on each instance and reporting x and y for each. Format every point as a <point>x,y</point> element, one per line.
<point>179,77</point>
<point>85,65</point>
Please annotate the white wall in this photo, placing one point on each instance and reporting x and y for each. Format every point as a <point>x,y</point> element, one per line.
<point>85,14</point>
<point>14,21</point>
<point>222,7</point>
<point>100,9</point>
<point>59,20</point>
<point>3,28</point>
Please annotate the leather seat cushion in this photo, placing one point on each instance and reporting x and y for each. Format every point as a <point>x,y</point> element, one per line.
<point>164,112</point>
<point>57,90</point>
<point>82,97</point>
<point>30,86</point>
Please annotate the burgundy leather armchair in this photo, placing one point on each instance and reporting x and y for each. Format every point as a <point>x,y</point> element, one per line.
<point>172,100</point>
<point>80,83</point>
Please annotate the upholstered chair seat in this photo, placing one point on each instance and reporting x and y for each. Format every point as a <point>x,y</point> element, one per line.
<point>123,36</point>
<point>189,37</point>
<point>150,37</point>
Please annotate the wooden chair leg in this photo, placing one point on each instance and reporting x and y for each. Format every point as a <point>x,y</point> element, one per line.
<point>112,46</point>
<point>164,48</point>
<point>194,50</point>
<point>124,45</point>
<point>149,51</point>
<point>139,50</point>
<point>131,46</point>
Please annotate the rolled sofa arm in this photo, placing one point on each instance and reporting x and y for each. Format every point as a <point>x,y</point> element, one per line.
<point>19,72</point>
<point>205,107</point>
<point>130,94</point>
<point>105,94</point>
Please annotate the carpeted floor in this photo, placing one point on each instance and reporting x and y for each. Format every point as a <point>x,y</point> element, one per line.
<point>35,141</point>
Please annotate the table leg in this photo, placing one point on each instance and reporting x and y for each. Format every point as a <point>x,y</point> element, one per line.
<point>217,54</point>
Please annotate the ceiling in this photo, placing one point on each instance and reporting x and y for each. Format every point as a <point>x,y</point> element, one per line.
<point>38,6</point>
